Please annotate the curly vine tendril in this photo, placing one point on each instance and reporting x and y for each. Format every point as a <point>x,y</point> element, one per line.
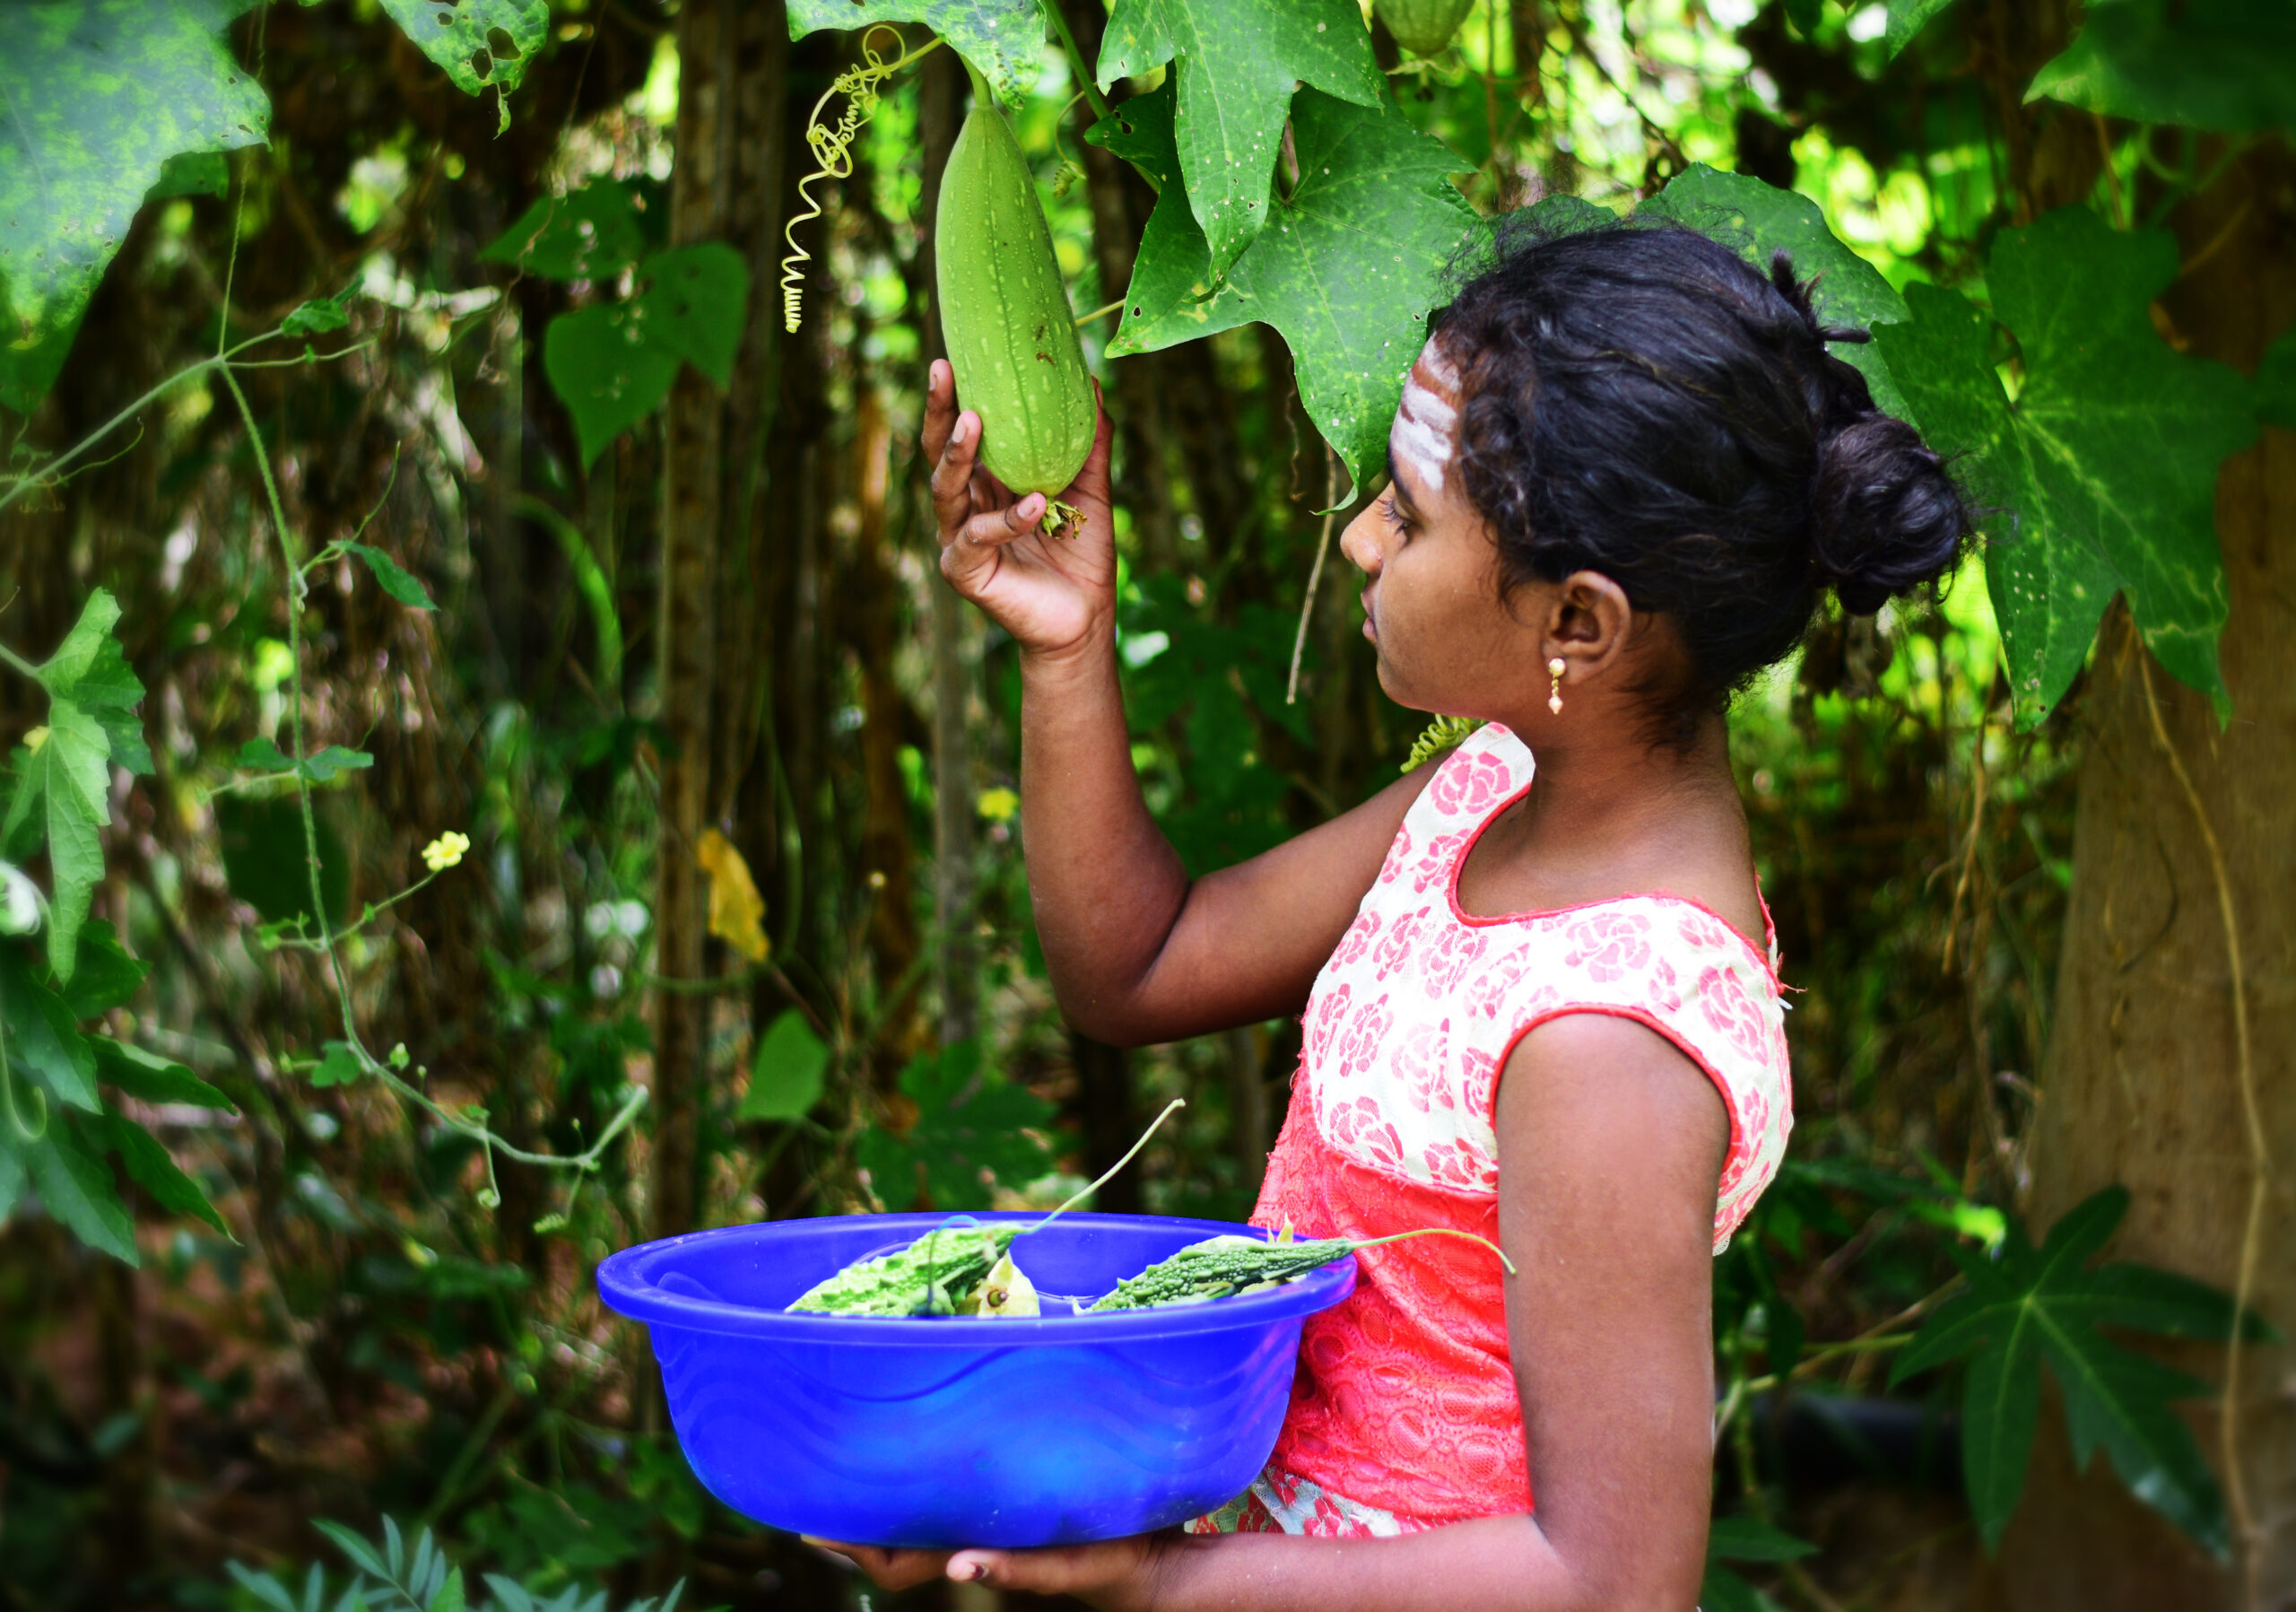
<point>832,150</point>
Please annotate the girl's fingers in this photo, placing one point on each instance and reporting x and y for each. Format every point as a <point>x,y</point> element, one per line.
<point>953,475</point>
<point>992,528</point>
<point>940,407</point>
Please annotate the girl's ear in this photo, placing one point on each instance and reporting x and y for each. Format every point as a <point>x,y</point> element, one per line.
<point>1587,625</point>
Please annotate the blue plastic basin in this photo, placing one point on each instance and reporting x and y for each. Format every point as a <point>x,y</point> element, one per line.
<point>945,1433</point>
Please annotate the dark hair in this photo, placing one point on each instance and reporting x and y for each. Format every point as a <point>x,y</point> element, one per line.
<point>1642,402</point>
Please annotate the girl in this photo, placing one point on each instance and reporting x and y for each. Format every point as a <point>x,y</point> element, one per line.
<point>1624,470</point>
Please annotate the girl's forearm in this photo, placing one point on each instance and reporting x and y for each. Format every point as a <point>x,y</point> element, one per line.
<point>1105,884</point>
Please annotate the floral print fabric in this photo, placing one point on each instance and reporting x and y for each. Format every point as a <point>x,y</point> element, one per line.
<point>1405,1402</point>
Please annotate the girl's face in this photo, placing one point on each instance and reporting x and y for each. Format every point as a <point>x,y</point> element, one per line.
<point>1447,640</point>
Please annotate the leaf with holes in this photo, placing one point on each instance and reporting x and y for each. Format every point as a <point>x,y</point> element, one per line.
<point>1237,67</point>
<point>2224,64</point>
<point>2026,1307</point>
<point>1760,220</point>
<point>1005,39</point>
<point>477,42</point>
<point>100,94</point>
<point>1347,268</point>
<point>2101,475</point>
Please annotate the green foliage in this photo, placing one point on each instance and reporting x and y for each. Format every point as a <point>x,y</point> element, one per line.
<point>100,95</point>
<point>1761,219</point>
<point>320,767</point>
<point>1743,1539</point>
<point>1351,301</point>
<point>2276,383</point>
<point>786,1071</point>
<point>971,1134</point>
<point>260,841</point>
<point>2101,470</point>
<point>2025,1307</point>
<point>478,42</point>
<point>614,363</point>
<point>1237,67</point>
<point>1908,18</point>
<point>389,1576</point>
<point>2228,64</point>
<point>395,578</point>
<point>1005,39</point>
<point>64,781</point>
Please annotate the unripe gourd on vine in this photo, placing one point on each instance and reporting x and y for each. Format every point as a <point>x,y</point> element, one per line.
<point>1422,27</point>
<point>1010,336</point>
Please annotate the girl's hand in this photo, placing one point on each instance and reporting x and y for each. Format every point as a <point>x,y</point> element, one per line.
<point>1117,1575</point>
<point>1054,595</point>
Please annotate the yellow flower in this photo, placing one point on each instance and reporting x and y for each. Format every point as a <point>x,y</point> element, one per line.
<point>445,851</point>
<point>998,804</point>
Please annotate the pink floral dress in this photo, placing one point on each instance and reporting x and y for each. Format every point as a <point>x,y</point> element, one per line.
<point>1404,1413</point>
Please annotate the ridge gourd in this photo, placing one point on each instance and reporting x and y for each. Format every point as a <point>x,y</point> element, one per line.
<point>1004,316</point>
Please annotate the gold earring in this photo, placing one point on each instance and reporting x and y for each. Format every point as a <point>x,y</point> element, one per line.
<point>1555,696</point>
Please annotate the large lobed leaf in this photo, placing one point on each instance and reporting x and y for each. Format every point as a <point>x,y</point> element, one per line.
<point>1005,39</point>
<point>1346,270</point>
<point>1237,62</point>
<point>2100,475</point>
<point>2025,1308</point>
<point>99,95</point>
<point>1761,219</point>
<point>2227,64</point>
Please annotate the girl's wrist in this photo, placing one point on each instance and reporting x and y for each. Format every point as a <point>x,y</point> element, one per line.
<point>1087,656</point>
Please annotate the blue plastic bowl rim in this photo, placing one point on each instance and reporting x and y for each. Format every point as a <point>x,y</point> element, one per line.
<point>624,1284</point>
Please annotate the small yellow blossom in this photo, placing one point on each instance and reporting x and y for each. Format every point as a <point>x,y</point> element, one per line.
<point>445,851</point>
<point>35,739</point>
<point>998,804</point>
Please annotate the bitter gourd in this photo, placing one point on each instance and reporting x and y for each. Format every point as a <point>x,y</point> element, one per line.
<point>952,1269</point>
<point>1223,1267</point>
<point>1010,336</point>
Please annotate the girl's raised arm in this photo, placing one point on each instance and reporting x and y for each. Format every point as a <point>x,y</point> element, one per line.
<point>1137,952</point>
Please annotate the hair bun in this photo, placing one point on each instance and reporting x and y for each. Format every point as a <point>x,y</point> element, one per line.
<point>1885,516</point>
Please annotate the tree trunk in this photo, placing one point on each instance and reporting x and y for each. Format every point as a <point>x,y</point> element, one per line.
<point>2186,839</point>
<point>732,80</point>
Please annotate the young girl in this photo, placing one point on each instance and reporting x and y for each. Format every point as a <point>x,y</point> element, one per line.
<point>1625,471</point>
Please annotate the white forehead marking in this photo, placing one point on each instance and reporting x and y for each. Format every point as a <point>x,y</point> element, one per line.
<point>1420,436</point>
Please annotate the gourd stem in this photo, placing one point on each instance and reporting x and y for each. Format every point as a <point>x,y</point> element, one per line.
<point>1441,1231</point>
<point>1110,1175</point>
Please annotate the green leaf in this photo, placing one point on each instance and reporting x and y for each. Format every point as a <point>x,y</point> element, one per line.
<point>77,1189</point>
<point>970,1125</point>
<point>2101,475</point>
<point>2276,382</point>
<point>44,1039</point>
<point>1346,270</point>
<point>1723,1590</point>
<point>1908,18</point>
<point>593,234</point>
<point>363,1555</point>
<point>785,1071</point>
<point>1005,39</point>
<point>320,315</point>
<point>396,581</point>
<point>153,1168</point>
<point>478,42</point>
<point>147,1078</point>
<point>100,94</point>
<point>1237,67</point>
<point>339,1066</point>
<point>1760,220</point>
<point>2026,1308</point>
<point>12,1180</point>
<point>695,303</point>
<point>606,372</point>
<point>2221,64</point>
<point>1557,215</point>
<point>321,767</point>
<point>104,976</point>
<point>192,173</point>
<point>1805,15</point>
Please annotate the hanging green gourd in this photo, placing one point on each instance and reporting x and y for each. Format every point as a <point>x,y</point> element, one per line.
<point>1004,315</point>
<point>1422,27</point>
